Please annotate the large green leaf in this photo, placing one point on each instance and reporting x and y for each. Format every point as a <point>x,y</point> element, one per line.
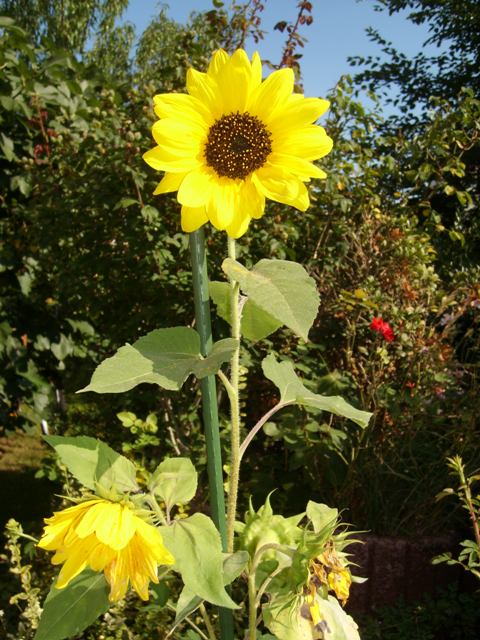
<point>195,544</point>
<point>292,391</point>
<point>164,356</point>
<point>67,612</point>
<point>288,619</point>
<point>283,289</point>
<point>233,565</point>
<point>256,323</point>
<point>94,463</point>
<point>174,481</point>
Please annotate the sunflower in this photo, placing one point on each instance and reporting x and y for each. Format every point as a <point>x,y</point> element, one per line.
<point>234,140</point>
<point>105,536</point>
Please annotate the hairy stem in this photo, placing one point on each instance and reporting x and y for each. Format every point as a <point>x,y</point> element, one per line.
<point>208,622</point>
<point>253,432</point>
<point>234,405</point>
<point>252,607</point>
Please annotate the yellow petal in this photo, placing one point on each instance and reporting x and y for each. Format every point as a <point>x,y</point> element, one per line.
<point>256,71</point>
<point>271,95</point>
<point>282,187</point>
<point>162,159</point>
<point>298,112</point>
<point>75,564</point>
<point>53,535</point>
<point>99,556</point>
<point>169,182</point>
<point>221,206</point>
<point>299,167</point>
<point>117,579</point>
<point>115,526</point>
<point>179,137</point>
<point>196,188</point>
<point>238,226</point>
<point>234,80</point>
<point>150,537</point>
<point>219,59</point>
<point>251,200</point>
<point>309,143</point>
<point>201,87</point>
<point>182,107</point>
<point>193,218</point>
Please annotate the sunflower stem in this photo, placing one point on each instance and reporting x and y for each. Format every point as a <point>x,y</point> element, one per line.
<point>209,404</point>
<point>252,607</point>
<point>208,622</point>
<point>234,404</point>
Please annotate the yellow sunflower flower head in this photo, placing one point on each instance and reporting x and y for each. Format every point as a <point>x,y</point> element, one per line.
<point>328,570</point>
<point>234,140</point>
<point>106,536</point>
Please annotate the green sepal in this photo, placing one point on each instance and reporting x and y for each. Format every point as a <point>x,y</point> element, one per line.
<point>68,611</point>
<point>263,527</point>
<point>281,288</point>
<point>322,516</point>
<point>94,464</point>
<point>292,391</point>
<point>195,544</point>
<point>256,323</point>
<point>164,356</point>
<point>174,481</point>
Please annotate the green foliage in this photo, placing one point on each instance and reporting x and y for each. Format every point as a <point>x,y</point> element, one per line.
<point>255,323</point>
<point>447,615</point>
<point>195,544</point>
<point>393,231</point>
<point>469,557</point>
<point>174,481</point>
<point>233,565</point>
<point>165,357</point>
<point>286,622</point>
<point>281,289</point>
<point>94,464</point>
<point>68,611</point>
<point>453,27</point>
<point>293,391</point>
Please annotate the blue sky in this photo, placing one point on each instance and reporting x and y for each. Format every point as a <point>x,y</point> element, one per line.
<point>338,31</point>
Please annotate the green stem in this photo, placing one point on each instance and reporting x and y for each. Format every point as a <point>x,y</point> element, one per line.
<point>234,405</point>
<point>191,623</point>
<point>209,404</point>
<point>252,607</point>
<point>208,622</point>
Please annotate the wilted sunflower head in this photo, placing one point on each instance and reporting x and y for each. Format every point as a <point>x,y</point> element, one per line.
<point>106,536</point>
<point>234,140</point>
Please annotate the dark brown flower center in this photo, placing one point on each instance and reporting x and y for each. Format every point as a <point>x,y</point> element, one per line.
<point>237,144</point>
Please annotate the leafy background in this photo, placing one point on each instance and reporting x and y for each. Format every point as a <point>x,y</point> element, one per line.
<point>90,260</point>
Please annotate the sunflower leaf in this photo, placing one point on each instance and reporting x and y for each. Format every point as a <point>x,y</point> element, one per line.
<point>195,544</point>
<point>164,356</point>
<point>67,612</point>
<point>280,288</point>
<point>256,323</point>
<point>292,391</point>
<point>174,481</point>
<point>287,619</point>
<point>93,462</point>
<point>233,565</point>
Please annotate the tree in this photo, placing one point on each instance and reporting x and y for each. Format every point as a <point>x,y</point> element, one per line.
<point>454,27</point>
<point>66,24</point>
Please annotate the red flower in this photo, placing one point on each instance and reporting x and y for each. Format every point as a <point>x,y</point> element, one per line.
<point>383,328</point>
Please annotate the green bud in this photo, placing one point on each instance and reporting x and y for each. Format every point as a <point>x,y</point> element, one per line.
<point>263,528</point>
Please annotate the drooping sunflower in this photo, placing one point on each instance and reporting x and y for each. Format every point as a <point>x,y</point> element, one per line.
<point>234,140</point>
<point>106,536</point>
